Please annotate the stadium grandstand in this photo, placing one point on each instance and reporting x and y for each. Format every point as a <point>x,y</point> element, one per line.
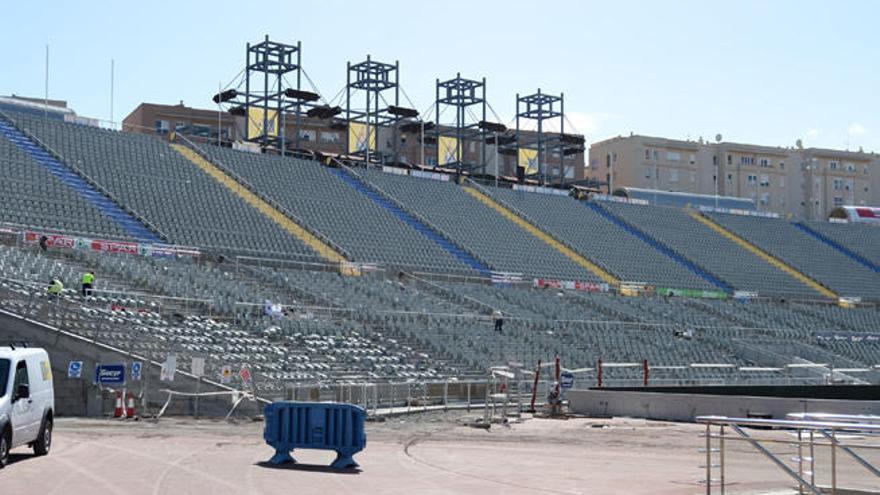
<point>313,266</point>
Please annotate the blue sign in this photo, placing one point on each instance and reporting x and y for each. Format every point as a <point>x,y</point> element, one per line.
<point>136,371</point>
<point>74,369</point>
<point>110,374</point>
<point>566,380</point>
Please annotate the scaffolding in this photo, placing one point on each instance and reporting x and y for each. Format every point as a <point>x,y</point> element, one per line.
<point>269,98</point>
<point>378,118</point>
<point>537,150</point>
<point>461,94</point>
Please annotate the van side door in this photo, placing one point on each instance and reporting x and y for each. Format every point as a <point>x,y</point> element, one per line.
<point>22,414</point>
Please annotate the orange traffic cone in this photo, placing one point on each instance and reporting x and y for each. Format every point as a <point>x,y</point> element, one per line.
<point>117,411</point>
<point>129,406</point>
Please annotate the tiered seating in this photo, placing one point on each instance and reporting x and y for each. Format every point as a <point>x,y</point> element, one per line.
<point>469,223</point>
<point>715,253</point>
<point>861,239</point>
<point>809,255</point>
<point>165,188</point>
<point>314,194</point>
<point>628,257</point>
<point>33,197</point>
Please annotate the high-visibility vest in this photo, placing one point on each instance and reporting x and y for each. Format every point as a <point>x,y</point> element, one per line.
<point>88,278</point>
<point>56,288</point>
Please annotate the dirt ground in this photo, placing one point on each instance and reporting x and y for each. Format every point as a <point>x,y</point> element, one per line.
<point>431,453</point>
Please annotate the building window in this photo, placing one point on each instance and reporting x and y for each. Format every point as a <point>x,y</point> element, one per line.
<point>673,175</point>
<point>832,165</point>
<point>647,172</point>
<point>647,153</point>
<point>330,137</point>
<point>162,127</point>
<point>693,158</point>
<point>838,201</point>
<point>781,165</point>
<point>837,184</point>
<point>673,156</point>
<point>850,167</point>
<point>752,179</point>
<point>747,160</point>
<point>765,162</point>
<point>305,135</point>
<point>729,159</point>
<point>765,198</point>
<point>765,181</point>
<point>654,154</point>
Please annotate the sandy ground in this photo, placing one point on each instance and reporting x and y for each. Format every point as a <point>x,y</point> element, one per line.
<point>426,454</point>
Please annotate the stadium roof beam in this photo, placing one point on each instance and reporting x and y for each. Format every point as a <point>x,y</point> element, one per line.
<point>460,94</point>
<point>534,150</point>
<point>372,78</point>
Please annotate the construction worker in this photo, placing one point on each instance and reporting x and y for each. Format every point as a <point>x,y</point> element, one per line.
<point>498,317</point>
<point>56,287</point>
<point>88,283</point>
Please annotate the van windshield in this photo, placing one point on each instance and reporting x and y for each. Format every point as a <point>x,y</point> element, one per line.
<point>4,375</point>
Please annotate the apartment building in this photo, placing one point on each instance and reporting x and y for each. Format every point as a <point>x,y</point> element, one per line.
<point>803,183</point>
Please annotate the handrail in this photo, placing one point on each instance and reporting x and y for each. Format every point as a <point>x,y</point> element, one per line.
<point>843,418</point>
<point>446,291</point>
<point>409,211</point>
<point>275,204</point>
<point>790,424</point>
<point>87,178</point>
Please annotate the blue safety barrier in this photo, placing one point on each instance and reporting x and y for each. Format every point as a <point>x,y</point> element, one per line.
<point>315,425</point>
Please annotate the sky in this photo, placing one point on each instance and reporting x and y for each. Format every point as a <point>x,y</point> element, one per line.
<point>763,72</point>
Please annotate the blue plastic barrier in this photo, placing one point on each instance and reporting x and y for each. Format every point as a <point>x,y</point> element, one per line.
<point>315,425</point>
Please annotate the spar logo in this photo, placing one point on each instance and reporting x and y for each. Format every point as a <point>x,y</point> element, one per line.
<point>107,374</point>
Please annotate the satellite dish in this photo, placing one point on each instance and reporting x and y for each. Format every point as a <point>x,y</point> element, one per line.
<point>799,144</point>
<point>718,138</point>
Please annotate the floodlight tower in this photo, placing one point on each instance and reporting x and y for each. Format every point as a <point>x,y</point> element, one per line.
<point>373,78</point>
<point>268,97</point>
<point>460,94</point>
<point>541,108</point>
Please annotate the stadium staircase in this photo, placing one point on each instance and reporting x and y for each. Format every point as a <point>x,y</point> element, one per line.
<point>540,234</point>
<point>659,246</point>
<point>128,222</point>
<point>373,195</point>
<point>836,245</point>
<point>319,246</point>
<point>776,262</point>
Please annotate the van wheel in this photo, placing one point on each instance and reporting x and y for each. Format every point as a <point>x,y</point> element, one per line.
<point>44,441</point>
<point>4,449</point>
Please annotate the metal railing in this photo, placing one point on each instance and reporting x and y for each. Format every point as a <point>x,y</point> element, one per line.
<point>806,428</point>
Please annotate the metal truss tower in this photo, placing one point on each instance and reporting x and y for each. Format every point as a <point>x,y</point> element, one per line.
<point>541,148</point>
<point>378,115</point>
<point>453,135</point>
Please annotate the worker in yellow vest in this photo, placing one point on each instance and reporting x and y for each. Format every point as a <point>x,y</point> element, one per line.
<point>56,287</point>
<point>88,283</point>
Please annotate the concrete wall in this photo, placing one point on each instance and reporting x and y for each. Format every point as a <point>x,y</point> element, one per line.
<point>684,407</point>
<point>79,397</point>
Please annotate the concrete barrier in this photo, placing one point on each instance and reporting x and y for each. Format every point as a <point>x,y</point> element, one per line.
<point>670,406</point>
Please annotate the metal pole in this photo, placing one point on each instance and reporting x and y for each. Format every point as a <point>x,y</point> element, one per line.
<point>833,462</point>
<point>46,88</point>
<point>708,459</point>
<point>112,87</point>
<point>721,457</point>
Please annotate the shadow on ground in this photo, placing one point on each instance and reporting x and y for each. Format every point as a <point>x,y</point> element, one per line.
<point>311,468</point>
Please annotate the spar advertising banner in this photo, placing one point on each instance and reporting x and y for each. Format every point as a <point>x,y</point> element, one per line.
<point>60,241</point>
<point>547,283</point>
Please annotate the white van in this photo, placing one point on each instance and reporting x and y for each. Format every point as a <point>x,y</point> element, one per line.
<point>27,400</point>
